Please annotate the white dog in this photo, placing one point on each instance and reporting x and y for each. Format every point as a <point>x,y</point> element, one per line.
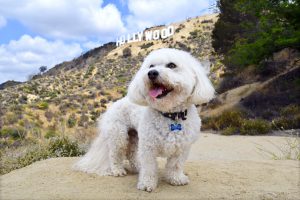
<point>157,118</point>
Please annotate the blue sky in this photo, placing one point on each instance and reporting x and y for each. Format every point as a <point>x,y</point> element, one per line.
<point>46,32</point>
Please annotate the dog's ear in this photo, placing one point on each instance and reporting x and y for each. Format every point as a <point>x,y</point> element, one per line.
<point>203,90</point>
<point>135,91</point>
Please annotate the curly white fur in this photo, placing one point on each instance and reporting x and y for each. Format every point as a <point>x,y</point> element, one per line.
<point>140,112</point>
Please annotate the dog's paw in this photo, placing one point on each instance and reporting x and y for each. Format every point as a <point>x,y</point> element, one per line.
<point>148,187</point>
<point>178,180</point>
<point>131,169</point>
<point>118,172</point>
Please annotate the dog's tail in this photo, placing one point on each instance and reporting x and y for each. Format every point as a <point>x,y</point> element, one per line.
<point>96,160</point>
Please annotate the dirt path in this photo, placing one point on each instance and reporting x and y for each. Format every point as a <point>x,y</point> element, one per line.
<point>219,167</point>
<point>232,97</point>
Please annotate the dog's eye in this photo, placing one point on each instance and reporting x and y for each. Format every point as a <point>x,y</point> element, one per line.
<point>151,66</point>
<point>171,65</point>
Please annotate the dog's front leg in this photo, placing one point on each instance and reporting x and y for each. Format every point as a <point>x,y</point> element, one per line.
<point>148,169</point>
<point>174,169</point>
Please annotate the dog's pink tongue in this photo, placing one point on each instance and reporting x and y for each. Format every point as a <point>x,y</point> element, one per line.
<point>155,92</point>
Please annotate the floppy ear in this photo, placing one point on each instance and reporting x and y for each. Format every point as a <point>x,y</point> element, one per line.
<point>135,91</point>
<point>203,90</point>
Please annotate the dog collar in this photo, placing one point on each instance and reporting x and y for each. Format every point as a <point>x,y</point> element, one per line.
<point>176,115</point>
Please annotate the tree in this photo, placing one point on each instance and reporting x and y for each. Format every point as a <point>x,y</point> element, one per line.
<point>250,31</point>
<point>228,27</point>
<point>43,69</point>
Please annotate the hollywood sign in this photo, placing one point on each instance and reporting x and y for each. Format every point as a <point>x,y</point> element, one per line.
<point>146,35</point>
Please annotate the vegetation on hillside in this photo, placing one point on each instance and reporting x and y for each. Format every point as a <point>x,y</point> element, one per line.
<point>249,31</point>
<point>60,146</point>
<point>260,43</point>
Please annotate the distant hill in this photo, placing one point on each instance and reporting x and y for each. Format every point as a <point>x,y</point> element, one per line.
<point>7,84</point>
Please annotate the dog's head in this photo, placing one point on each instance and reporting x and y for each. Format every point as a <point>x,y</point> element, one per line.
<point>169,78</point>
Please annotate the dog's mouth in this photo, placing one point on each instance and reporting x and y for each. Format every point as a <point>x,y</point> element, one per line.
<point>158,90</point>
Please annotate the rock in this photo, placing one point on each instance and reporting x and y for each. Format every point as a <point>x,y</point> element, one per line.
<point>219,167</point>
<point>54,179</point>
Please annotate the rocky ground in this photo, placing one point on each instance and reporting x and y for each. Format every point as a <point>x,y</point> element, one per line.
<point>219,167</point>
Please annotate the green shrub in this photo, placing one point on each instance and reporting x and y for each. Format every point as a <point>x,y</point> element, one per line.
<point>178,30</point>
<point>289,118</point>
<point>286,123</point>
<point>122,79</point>
<point>232,122</point>
<point>11,118</point>
<point>56,147</point>
<point>83,121</point>
<point>71,121</point>
<point>95,114</point>
<point>207,123</point>
<point>6,132</point>
<point>50,133</point>
<point>23,99</point>
<point>126,52</point>
<point>22,122</point>
<point>31,157</point>
<point>122,91</point>
<point>96,104</point>
<point>230,118</point>
<point>255,127</point>
<point>229,131</point>
<point>14,133</point>
<point>89,72</point>
<point>42,105</point>
<point>63,147</point>
<point>226,119</point>
<point>290,110</point>
<point>195,33</point>
<point>147,45</point>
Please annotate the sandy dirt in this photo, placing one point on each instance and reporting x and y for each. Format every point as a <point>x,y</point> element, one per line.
<point>219,167</point>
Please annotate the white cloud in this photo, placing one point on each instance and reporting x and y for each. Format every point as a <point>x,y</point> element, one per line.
<point>2,21</point>
<point>22,57</point>
<point>146,13</point>
<point>66,19</point>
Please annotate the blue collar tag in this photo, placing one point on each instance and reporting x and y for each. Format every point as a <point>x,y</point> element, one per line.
<point>176,127</point>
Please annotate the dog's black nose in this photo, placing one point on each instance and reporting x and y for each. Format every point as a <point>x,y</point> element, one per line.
<point>153,74</point>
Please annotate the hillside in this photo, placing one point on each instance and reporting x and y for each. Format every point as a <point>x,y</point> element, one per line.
<point>7,84</point>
